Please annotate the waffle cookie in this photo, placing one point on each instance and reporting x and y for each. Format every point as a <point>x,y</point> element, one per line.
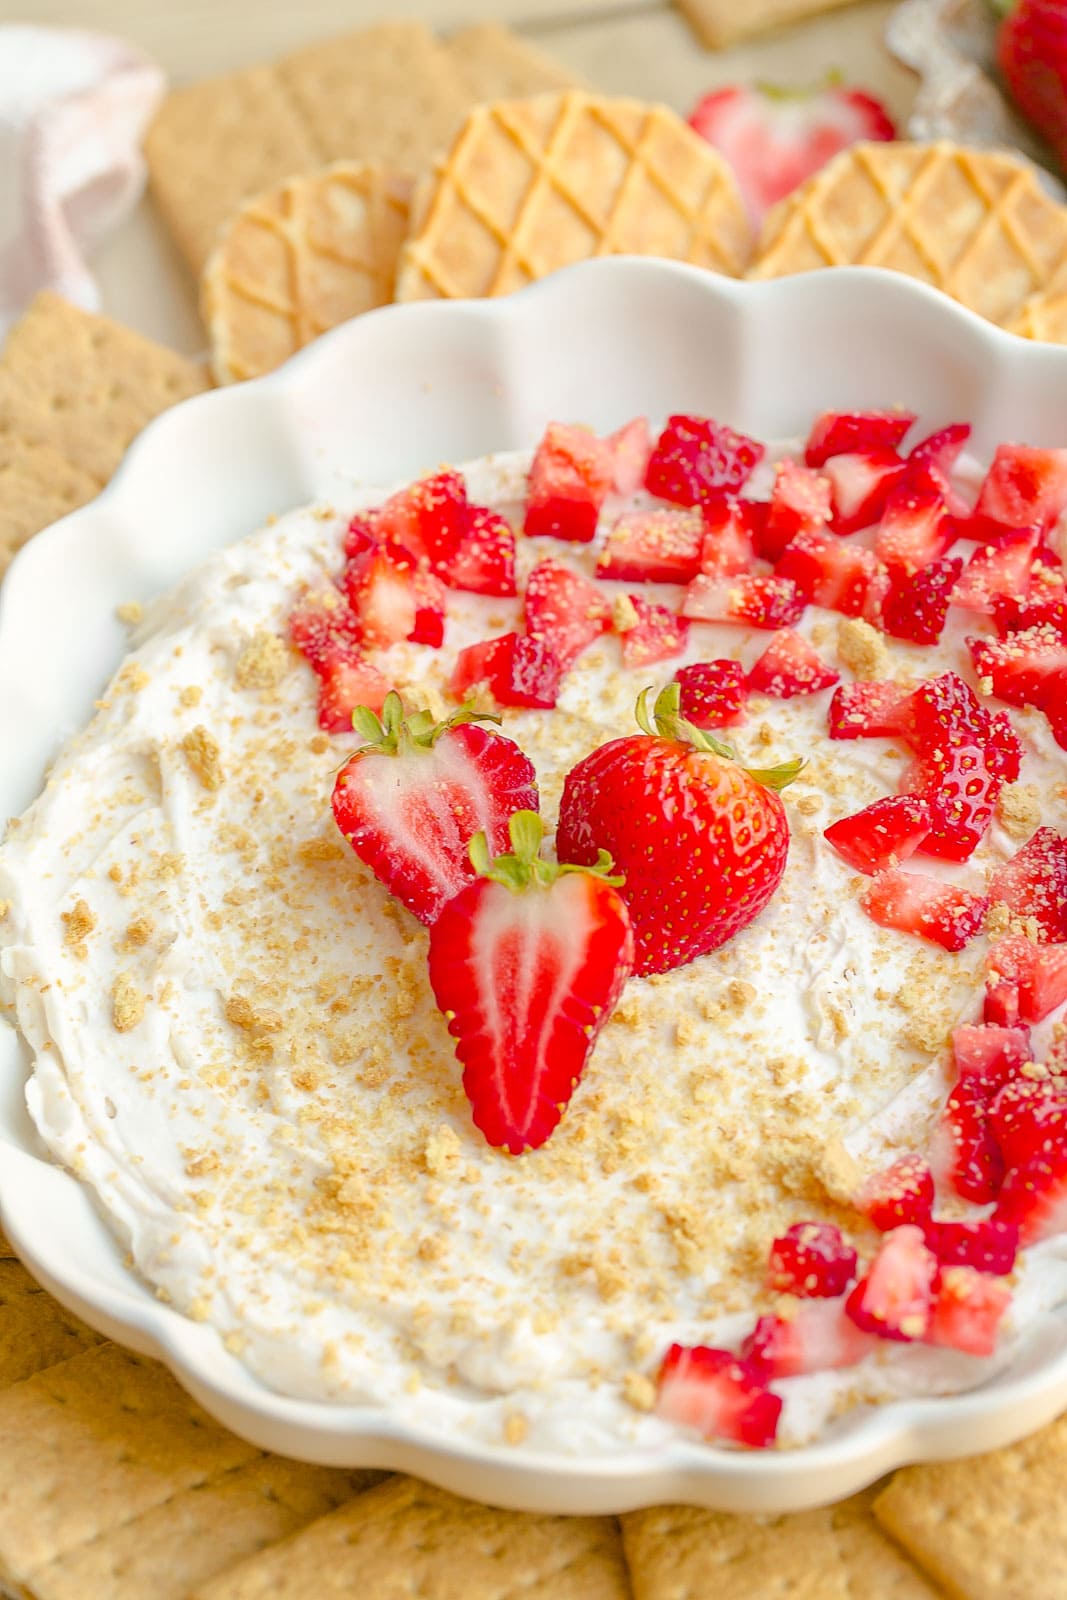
<point>974,223</point>
<point>299,259</point>
<point>532,185</point>
<point>1044,315</point>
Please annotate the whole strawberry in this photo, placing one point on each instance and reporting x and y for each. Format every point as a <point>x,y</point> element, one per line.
<point>1032,55</point>
<point>527,963</point>
<point>411,799</point>
<point>701,839</point>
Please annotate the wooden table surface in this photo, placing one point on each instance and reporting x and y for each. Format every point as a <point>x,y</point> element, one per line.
<point>638,47</point>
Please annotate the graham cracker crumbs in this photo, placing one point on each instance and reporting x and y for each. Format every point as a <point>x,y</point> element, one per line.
<point>202,752</point>
<point>624,614</point>
<point>808,804</point>
<point>190,696</point>
<point>1000,920</point>
<point>838,1172</point>
<point>199,1166</point>
<point>78,924</point>
<point>132,679</point>
<point>239,1011</point>
<point>5,907</point>
<point>516,1427</point>
<point>638,1391</point>
<point>262,663</point>
<point>138,932</point>
<point>127,1003</point>
<point>318,744</point>
<point>862,649</point>
<point>442,1151</point>
<point>310,851</point>
<point>130,613</point>
<point>1019,809</point>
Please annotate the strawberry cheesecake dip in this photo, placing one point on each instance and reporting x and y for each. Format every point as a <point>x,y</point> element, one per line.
<point>570,952</point>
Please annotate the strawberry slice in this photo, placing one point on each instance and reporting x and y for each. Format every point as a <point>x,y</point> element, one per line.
<point>915,608</point>
<point>800,503</point>
<point>953,772</point>
<point>717,1395</point>
<point>731,527</point>
<point>1028,1117</point>
<point>713,693</point>
<point>997,569</point>
<point>965,1153</point>
<point>876,710</point>
<point>1025,669</point>
<point>790,666</point>
<point>937,455</point>
<point>828,572</point>
<point>986,1245</point>
<point>994,1054</point>
<point>695,459</point>
<point>484,562</point>
<point>896,1298</point>
<point>881,835</point>
<point>1024,487</point>
<point>630,447</point>
<point>816,1337</point>
<point>412,796</point>
<point>570,475</point>
<point>968,1310</point>
<point>915,529</point>
<point>1034,883</point>
<point>429,517</point>
<point>811,1259</point>
<point>347,681</point>
<point>762,602</point>
<point>1034,1196</point>
<point>913,903</point>
<point>1038,972</point>
<point>527,963</point>
<point>653,547</point>
<point>838,433</point>
<point>656,635</point>
<point>861,482</point>
<point>565,610</point>
<point>380,588</point>
<point>902,1192</point>
<point>517,670</point>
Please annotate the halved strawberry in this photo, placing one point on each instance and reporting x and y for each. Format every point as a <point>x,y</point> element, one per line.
<point>968,1310</point>
<point>1034,883</point>
<point>811,1259</point>
<point>896,1297</point>
<point>484,562</point>
<point>816,1337</point>
<point>800,503</point>
<point>932,910</point>
<point>413,796</point>
<point>630,447</point>
<point>902,1192</point>
<point>527,963</point>
<point>860,484</point>
<point>718,1395</point>
<point>1038,971</point>
<point>653,547</point>
<point>915,529</point>
<point>1027,1117</point>
<point>1034,1196</point>
<point>876,710</point>
<point>985,1244</point>
<point>729,544</point>
<point>696,458</point>
<point>964,1152</point>
<point>790,666</point>
<point>763,602</point>
<point>429,517</point>
<point>657,634</point>
<point>1024,487</point>
<point>997,569</point>
<point>838,433</point>
<point>517,670</point>
<point>829,572</point>
<point>713,693</point>
<point>881,835</point>
<point>346,681</point>
<point>915,608</point>
<point>937,454</point>
<point>565,610</point>
<point>570,475</point>
<point>995,1054</point>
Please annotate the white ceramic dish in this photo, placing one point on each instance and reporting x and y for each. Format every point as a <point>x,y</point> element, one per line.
<point>382,398</point>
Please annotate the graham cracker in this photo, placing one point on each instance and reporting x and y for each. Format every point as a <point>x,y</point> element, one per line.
<point>718,23</point>
<point>976,224</point>
<point>990,1527</point>
<point>833,1553</point>
<point>35,1331</point>
<point>300,259</point>
<point>495,64</point>
<point>406,1538</point>
<point>532,185</point>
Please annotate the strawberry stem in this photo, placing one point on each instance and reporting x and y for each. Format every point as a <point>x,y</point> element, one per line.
<point>524,865</point>
<point>666,722</point>
<point>392,733</point>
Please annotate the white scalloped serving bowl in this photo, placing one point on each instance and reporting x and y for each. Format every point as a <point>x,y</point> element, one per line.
<point>382,398</point>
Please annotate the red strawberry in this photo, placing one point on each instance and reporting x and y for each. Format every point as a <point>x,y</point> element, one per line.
<point>713,693</point>
<point>565,610</point>
<point>965,1152</point>
<point>361,533</point>
<point>816,1337</point>
<point>484,563</point>
<point>994,1054</point>
<point>860,484</point>
<point>1034,1196</point>
<point>1024,488</point>
<point>953,772</point>
<point>696,459</point>
<point>761,602</point>
<point>730,531</point>
<point>926,907</point>
<point>1025,669</point>
<point>997,569</point>
<point>345,682</point>
<point>790,666</point>
<point>915,608</point>
<point>1034,883</point>
<point>915,529</point>
<point>1013,613</point>
<point>800,503</point>
<point>968,1310</point>
<point>527,963</point>
<point>518,671</point>
<point>630,447</point>
<point>719,1396</point>
<point>812,1260</point>
<point>902,1192</point>
<point>429,518</point>
<point>701,840</point>
<point>895,1300</point>
<point>380,588</point>
<point>774,139</point>
<point>657,634</point>
<point>653,547</point>
<point>875,710</point>
<point>1001,1003</point>
<point>828,572</point>
<point>1004,751</point>
<point>937,455</point>
<point>1027,1117</point>
<point>323,627</point>
<point>411,799</point>
<point>881,835</point>
<point>571,473</point>
<point>1038,971</point>
<point>838,433</point>
<point>986,1245</point>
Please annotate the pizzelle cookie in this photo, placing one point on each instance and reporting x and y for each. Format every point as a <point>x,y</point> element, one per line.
<point>311,253</point>
<point>974,223</point>
<point>532,185</point>
<point>1044,315</point>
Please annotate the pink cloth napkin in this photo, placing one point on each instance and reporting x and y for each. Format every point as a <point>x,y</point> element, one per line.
<point>73,110</point>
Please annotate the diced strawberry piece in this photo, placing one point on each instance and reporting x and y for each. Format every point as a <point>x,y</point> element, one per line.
<point>322,626</point>
<point>484,563</point>
<point>800,503</point>
<point>1014,613</point>
<point>719,1396</point>
<point>902,1192</point>
<point>729,539</point>
<point>860,484</point>
<point>653,547</point>
<point>986,1244</point>
<point>361,533</point>
<point>1034,883</point>
<point>952,773</point>
<point>565,610</point>
<point>915,608</point>
<point>881,835</point>
<point>895,1300</point>
<point>996,569</point>
<point>790,666</point>
<point>913,903</point>
<point>347,681</point>
<point>816,1337</point>
<point>915,529</point>
<point>828,572</point>
<point>630,447</point>
<point>965,1153</point>
<point>713,693</point>
<point>478,664</point>
<point>429,517</point>
<point>968,1310</point>
<point>430,604</point>
<point>838,433</point>
<point>380,588</point>
<point>1004,751</point>
<point>770,603</point>
<point>811,1259</point>
<point>695,458</point>
<point>995,1054</point>
<point>518,671</point>
<point>1001,1004</point>
<point>570,475</point>
<point>1027,1117</point>
<point>1024,487</point>
<point>871,711</point>
<point>1034,1196</point>
<point>937,454</point>
<point>657,635</point>
<point>1038,970</point>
